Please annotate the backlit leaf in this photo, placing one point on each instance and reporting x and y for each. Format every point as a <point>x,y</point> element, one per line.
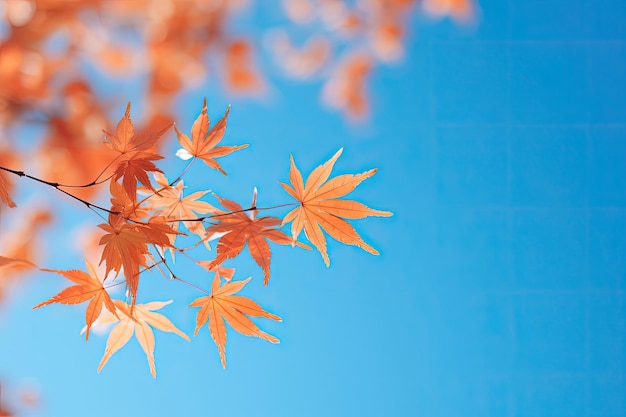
<point>88,287</point>
<point>320,210</point>
<point>222,306</point>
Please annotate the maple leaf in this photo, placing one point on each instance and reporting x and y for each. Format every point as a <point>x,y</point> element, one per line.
<point>126,245</point>
<point>136,154</point>
<point>125,140</point>
<point>124,205</point>
<point>237,228</point>
<point>204,140</point>
<point>135,168</point>
<point>89,287</point>
<point>171,204</point>
<point>320,210</point>
<point>139,321</point>
<point>222,305</point>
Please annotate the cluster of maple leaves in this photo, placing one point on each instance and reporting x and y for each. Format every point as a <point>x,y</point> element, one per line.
<point>44,47</point>
<point>146,218</point>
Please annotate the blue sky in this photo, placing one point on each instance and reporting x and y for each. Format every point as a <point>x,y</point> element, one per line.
<point>498,290</point>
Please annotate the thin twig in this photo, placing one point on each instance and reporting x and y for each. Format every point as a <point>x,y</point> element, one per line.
<point>56,186</point>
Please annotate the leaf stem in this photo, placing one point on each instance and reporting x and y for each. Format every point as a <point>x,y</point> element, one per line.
<point>175,277</point>
<point>171,184</point>
<point>199,219</point>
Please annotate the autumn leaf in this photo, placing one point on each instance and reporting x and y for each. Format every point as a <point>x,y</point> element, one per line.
<point>125,141</point>
<point>134,169</point>
<point>222,305</point>
<point>137,154</point>
<point>236,228</point>
<point>89,287</point>
<point>204,140</point>
<point>139,321</point>
<point>320,210</point>
<point>126,246</point>
<point>128,208</point>
<point>168,200</point>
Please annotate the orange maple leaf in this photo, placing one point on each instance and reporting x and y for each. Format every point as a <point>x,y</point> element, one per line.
<point>126,245</point>
<point>203,142</point>
<point>320,210</point>
<point>136,154</point>
<point>89,287</point>
<point>222,305</point>
<point>138,320</point>
<point>123,204</point>
<point>135,169</point>
<point>237,228</point>
<point>125,141</point>
<point>171,204</point>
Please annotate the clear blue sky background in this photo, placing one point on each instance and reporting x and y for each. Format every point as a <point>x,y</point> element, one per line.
<point>499,288</point>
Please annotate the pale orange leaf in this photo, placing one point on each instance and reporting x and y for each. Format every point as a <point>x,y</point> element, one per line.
<point>222,306</point>
<point>140,321</point>
<point>320,211</point>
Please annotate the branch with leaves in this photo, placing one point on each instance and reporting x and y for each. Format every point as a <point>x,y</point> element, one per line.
<point>148,217</point>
